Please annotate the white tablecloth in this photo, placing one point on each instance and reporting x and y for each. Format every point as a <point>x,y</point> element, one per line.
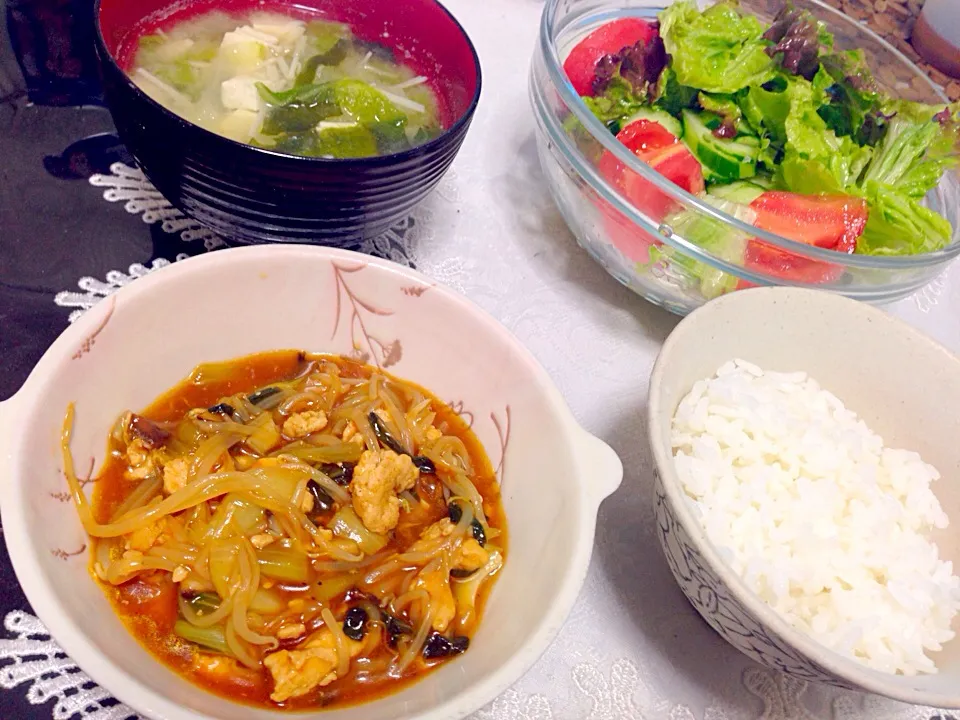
<point>633,647</point>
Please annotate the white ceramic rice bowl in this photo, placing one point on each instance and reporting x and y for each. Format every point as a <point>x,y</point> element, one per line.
<point>905,386</point>
<point>136,344</point>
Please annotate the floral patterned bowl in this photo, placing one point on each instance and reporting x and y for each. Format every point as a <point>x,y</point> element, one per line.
<point>139,342</point>
<point>905,386</point>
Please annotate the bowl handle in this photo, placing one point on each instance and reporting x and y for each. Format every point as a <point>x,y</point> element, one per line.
<point>6,427</point>
<point>601,465</point>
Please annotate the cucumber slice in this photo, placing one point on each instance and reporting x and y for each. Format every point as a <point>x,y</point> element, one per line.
<point>750,140</point>
<point>739,192</point>
<point>764,180</point>
<point>723,160</point>
<point>669,122</point>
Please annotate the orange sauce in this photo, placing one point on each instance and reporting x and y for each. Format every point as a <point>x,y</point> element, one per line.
<point>148,604</point>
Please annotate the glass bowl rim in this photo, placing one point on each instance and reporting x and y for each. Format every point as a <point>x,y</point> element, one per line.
<point>549,30</point>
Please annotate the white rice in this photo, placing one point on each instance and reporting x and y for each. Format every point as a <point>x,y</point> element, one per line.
<point>822,521</point>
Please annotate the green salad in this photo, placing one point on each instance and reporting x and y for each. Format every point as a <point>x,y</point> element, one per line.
<point>775,118</point>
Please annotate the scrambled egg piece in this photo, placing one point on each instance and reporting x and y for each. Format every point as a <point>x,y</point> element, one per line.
<point>469,556</point>
<point>288,632</point>
<point>352,434</point>
<point>261,541</point>
<point>140,461</point>
<point>156,533</point>
<point>244,462</point>
<point>297,672</point>
<point>175,475</point>
<point>304,423</point>
<point>142,539</point>
<point>377,479</point>
<point>432,434</point>
<point>214,666</point>
<point>306,504</point>
<point>180,574</point>
<point>439,529</point>
<point>143,438</point>
<point>437,584</point>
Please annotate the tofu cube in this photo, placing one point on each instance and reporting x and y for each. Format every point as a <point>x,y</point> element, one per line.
<point>240,93</point>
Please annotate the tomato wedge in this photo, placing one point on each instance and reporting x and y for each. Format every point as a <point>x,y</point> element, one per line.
<point>828,221</point>
<point>641,137</point>
<point>663,151</point>
<point>580,65</point>
<point>833,222</point>
<point>644,135</point>
<point>676,164</point>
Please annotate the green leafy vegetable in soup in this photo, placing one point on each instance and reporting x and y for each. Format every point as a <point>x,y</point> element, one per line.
<point>301,87</point>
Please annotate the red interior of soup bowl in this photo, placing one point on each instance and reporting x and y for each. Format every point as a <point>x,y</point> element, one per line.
<point>422,33</point>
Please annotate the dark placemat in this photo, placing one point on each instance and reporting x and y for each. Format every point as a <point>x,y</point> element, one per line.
<point>63,247</point>
<point>57,232</point>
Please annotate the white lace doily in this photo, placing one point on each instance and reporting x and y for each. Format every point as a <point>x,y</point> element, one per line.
<point>139,197</point>
<point>632,647</point>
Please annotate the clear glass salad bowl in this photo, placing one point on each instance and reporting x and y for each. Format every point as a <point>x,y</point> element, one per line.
<point>660,260</point>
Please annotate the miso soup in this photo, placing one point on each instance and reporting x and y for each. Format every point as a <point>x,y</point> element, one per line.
<point>304,87</point>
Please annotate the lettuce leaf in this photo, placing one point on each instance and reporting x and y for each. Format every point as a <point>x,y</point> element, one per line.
<point>815,159</point>
<point>918,147</point>
<point>672,96</point>
<point>849,68</point>
<point>767,111</point>
<point>898,224</point>
<point>717,50</point>
<point>920,113</point>
<point>916,150</point>
<point>853,97</point>
<point>902,161</point>
<point>725,108</point>
<point>715,237</point>
<point>615,104</point>
<point>797,36</point>
<point>626,82</point>
<point>639,66</point>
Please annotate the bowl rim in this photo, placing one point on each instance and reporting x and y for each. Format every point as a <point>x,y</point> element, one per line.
<point>561,84</point>
<point>852,672</point>
<point>586,449</point>
<point>430,147</point>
